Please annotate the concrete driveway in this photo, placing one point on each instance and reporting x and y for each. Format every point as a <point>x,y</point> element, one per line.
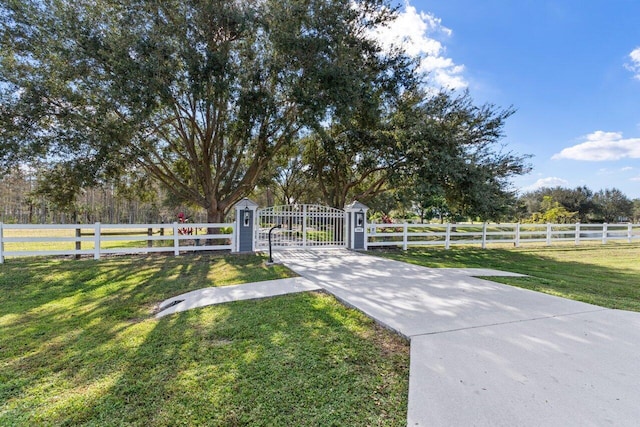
<point>486,354</point>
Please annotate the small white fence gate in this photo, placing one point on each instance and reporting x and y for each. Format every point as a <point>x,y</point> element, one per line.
<point>302,226</point>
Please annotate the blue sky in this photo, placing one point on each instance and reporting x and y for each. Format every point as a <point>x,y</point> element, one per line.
<point>570,68</point>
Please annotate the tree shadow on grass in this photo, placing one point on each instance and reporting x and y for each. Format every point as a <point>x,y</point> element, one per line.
<point>293,360</point>
<point>60,319</point>
<point>27,285</point>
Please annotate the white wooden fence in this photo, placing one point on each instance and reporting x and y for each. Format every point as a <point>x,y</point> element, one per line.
<point>98,239</point>
<point>405,235</point>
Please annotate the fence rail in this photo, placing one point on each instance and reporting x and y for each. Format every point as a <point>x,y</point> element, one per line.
<point>405,235</point>
<point>18,240</point>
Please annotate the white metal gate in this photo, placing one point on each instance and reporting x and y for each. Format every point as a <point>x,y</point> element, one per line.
<point>302,226</point>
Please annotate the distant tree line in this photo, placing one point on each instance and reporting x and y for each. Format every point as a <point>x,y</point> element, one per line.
<point>566,205</point>
<point>27,196</point>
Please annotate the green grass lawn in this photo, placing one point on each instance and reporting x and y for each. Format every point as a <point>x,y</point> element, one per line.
<point>605,275</point>
<point>79,346</point>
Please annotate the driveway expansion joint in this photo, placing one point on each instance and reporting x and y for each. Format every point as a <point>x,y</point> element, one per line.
<point>488,325</point>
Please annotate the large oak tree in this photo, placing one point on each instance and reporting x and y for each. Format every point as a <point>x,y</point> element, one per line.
<point>199,94</point>
<point>424,147</point>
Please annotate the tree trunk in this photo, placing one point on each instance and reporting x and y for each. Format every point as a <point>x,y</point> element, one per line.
<point>215,216</point>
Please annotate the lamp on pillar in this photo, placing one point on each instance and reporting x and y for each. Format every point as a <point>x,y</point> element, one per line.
<point>360,218</point>
<point>247,216</point>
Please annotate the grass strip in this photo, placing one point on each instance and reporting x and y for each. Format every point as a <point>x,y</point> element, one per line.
<point>604,275</point>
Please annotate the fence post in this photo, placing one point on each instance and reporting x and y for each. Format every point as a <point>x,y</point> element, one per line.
<point>149,233</point>
<point>484,235</point>
<point>548,234</point>
<point>78,241</point>
<point>234,236</point>
<point>247,225</point>
<point>604,233</point>
<point>369,230</point>
<point>629,235</point>
<point>176,240</point>
<point>357,225</point>
<point>304,226</point>
<point>404,235</point>
<point>1,244</point>
<point>96,241</point>
<point>517,243</point>
<point>577,233</point>
<point>447,238</point>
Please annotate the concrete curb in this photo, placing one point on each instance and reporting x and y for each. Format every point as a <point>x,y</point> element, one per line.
<point>219,295</point>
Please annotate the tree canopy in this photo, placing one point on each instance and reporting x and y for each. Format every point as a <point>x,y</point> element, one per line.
<point>200,95</point>
<point>424,147</point>
<point>453,149</point>
<point>212,99</point>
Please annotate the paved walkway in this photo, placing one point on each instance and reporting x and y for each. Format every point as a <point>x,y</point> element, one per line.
<point>486,354</point>
<point>257,290</point>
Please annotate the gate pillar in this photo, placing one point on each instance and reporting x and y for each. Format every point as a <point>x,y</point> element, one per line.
<point>245,225</point>
<point>356,225</point>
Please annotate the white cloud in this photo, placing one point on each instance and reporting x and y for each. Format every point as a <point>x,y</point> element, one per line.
<point>417,33</point>
<point>634,65</point>
<point>549,182</point>
<point>605,171</point>
<point>602,146</point>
